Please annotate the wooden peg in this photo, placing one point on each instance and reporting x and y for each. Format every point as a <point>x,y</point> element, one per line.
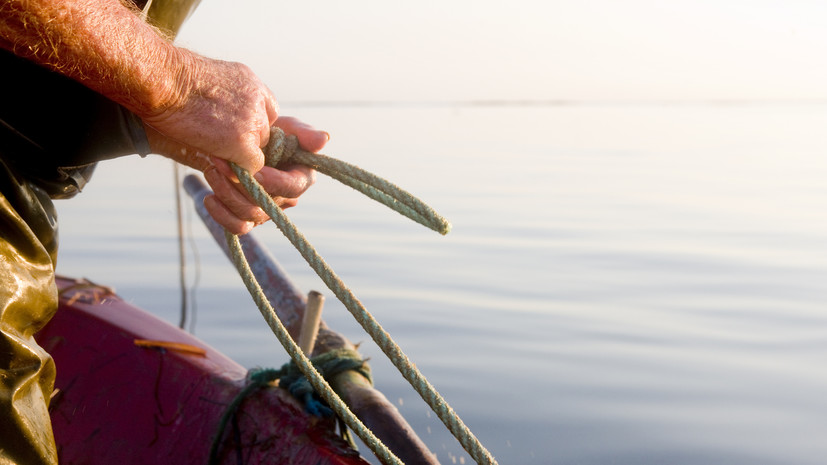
<point>310,322</point>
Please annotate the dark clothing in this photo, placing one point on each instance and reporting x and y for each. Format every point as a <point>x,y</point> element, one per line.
<point>52,132</point>
<point>53,129</point>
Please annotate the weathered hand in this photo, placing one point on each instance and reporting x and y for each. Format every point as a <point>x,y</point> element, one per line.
<point>231,206</point>
<point>220,108</point>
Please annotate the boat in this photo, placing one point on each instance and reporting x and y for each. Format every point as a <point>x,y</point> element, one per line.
<point>132,388</point>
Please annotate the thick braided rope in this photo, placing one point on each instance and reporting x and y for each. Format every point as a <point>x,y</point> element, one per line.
<point>305,365</point>
<point>282,148</point>
<point>408,370</point>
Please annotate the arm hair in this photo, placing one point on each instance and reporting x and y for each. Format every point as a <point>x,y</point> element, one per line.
<point>103,44</point>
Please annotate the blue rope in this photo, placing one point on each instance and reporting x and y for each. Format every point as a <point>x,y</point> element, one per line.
<point>328,364</point>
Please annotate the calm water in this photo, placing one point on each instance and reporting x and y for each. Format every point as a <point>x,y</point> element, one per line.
<point>623,284</point>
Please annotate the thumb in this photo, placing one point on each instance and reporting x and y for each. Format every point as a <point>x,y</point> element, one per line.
<point>252,157</point>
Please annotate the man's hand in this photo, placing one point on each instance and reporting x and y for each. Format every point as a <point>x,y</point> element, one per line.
<point>231,206</point>
<point>219,107</point>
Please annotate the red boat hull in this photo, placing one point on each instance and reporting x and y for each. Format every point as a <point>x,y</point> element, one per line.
<point>122,398</point>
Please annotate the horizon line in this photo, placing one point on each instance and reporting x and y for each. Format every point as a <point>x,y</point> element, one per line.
<point>552,102</point>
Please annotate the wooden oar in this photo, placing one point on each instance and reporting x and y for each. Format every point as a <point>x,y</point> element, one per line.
<point>367,403</point>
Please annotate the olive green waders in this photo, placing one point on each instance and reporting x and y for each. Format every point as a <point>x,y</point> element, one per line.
<point>28,299</point>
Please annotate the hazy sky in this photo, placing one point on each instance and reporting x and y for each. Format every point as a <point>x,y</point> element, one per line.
<point>522,49</point>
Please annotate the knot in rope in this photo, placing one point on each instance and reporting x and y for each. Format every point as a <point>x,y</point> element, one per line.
<point>328,364</point>
<point>280,148</point>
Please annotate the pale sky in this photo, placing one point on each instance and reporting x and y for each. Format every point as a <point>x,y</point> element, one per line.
<point>448,50</point>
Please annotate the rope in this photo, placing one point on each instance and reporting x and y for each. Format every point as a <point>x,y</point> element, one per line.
<point>182,250</point>
<point>282,149</point>
<point>319,384</point>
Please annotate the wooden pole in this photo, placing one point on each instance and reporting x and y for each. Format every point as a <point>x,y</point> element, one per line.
<point>310,322</point>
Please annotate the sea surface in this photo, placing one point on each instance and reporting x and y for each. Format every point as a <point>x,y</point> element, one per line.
<point>624,283</point>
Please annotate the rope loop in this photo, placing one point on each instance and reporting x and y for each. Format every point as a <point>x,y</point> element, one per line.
<point>282,148</point>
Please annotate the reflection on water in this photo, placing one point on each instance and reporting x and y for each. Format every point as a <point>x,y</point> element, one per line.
<point>623,284</point>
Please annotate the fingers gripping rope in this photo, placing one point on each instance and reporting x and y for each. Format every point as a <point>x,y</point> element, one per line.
<point>283,149</point>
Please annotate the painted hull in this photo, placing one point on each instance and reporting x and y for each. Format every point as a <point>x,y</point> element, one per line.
<point>119,402</point>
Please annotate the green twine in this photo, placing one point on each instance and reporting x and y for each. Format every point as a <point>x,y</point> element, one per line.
<point>256,380</point>
<point>328,364</point>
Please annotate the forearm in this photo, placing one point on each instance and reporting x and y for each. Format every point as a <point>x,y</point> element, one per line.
<point>220,108</point>
<point>100,43</point>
